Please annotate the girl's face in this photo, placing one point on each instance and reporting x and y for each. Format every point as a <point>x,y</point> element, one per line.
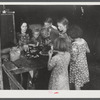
<point>36,35</point>
<point>47,24</point>
<point>24,27</point>
<point>62,27</point>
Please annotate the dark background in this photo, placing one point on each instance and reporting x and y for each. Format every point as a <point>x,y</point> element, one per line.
<point>89,21</point>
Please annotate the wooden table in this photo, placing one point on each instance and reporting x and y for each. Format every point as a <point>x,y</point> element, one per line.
<point>23,64</point>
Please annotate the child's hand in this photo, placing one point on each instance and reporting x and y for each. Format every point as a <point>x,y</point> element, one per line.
<point>37,44</point>
<point>50,53</point>
<point>51,47</point>
<point>25,47</point>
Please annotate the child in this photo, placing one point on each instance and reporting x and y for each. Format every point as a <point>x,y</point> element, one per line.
<point>36,37</point>
<point>59,65</point>
<point>79,73</point>
<point>35,41</point>
<point>45,36</point>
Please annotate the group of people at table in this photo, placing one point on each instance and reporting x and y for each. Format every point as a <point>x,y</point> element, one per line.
<point>69,65</point>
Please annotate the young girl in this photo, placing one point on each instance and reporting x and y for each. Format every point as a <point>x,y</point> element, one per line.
<point>36,39</point>
<point>63,25</point>
<point>59,65</point>
<point>79,73</point>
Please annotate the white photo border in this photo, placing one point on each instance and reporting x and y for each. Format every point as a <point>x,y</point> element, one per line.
<point>49,93</point>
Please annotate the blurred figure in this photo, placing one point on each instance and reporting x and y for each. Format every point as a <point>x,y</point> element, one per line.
<point>45,34</point>
<point>59,65</point>
<point>79,73</point>
<point>36,38</point>
<point>23,37</point>
<point>49,23</point>
<point>54,33</point>
<point>63,27</point>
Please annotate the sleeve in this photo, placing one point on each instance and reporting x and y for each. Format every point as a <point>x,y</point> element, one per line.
<point>52,63</point>
<point>75,52</point>
<point>87,48</point>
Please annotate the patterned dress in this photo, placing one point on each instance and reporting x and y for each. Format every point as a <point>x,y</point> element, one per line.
<point>79,73</point>
<point>59,77</point>
<point>23,39</point>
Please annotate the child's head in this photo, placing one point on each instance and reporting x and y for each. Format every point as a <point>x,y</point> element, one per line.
<point>48,22</point>
<point>45,32</point>
<point>75,32</point>
<point>63,24</point>
<point>61,44</point>
<point>36,33</point>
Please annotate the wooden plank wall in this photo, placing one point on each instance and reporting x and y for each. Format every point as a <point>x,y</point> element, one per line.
<point>1,76</point>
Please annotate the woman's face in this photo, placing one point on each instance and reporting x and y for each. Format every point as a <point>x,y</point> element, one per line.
<point>61,27</point>
<point>24,27</point>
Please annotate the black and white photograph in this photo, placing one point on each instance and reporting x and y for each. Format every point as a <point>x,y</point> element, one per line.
<point>50,46</point>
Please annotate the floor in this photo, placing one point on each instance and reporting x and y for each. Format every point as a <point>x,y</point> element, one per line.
<point>41,83</point>
<point>42,79</point>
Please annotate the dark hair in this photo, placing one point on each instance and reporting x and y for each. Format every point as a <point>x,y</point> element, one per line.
<point>44,32</point>
<point>37,30</point>
<point>64,21</point>
<point>28,31</point>
<point>49,20</point>
<point>61,44</point>
<point>75,32</point>
<point>23,22</point>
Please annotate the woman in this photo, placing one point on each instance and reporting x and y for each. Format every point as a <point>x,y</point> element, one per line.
<point>23,36</point>
<point>63,27</point>
<point>59,65</point>
<point>79,73</point>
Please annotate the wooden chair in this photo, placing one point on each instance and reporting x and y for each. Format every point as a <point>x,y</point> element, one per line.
<point>14,84</point>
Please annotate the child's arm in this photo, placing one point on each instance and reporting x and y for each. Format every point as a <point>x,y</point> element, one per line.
<point>87,48</point>
<point>51,61</point>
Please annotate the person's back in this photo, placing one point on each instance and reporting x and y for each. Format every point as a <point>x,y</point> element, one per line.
<point>53,34</point>
<point>59,76</point>
<point>62,60</point>
<point>80,46</point>
<point>79,73</point>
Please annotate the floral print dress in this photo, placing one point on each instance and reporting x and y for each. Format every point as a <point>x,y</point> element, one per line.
<point>59,76</point>
<point>79,73</point>
<point>23,39</point>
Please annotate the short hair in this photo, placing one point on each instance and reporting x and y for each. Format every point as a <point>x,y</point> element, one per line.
<point>49,20</point>
<point>75,32</point>
<point>64,21</point>
<point>37,30</point>
<point>61,44</point>
<point>44,32</point>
